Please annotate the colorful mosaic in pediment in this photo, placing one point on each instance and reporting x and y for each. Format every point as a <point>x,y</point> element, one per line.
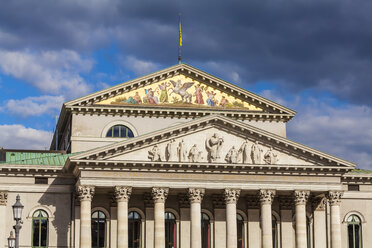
<point>180,91</point>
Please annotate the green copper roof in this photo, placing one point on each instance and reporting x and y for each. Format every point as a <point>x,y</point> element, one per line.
<point>36,158</point>
<point>360,171</point>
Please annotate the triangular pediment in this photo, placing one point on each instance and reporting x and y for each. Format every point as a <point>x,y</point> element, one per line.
<point>181,86</point>
<point>213,140</point>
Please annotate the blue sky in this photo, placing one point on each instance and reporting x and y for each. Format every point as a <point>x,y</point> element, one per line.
<point>312,56</point>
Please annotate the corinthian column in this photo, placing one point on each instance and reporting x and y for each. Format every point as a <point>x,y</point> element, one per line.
<point>231,197</point>
<point>159,195</point>
<point>300,198</point>
<point>195,197</point>
<point>122,195</point>
<point>266,199</point>
<point>320,230</point>
<point>85,195</point>
<point>334,198</point>
<point>3,203</point>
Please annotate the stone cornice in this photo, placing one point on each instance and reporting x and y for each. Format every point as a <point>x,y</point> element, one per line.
<point>216,168</point>
<point>223,123</point>
<point>33,170</point>
<point>156,112</point>
<point>357,178</point>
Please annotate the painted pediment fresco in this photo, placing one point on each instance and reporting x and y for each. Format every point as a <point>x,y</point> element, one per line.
<point>213,146</point>
<point>180,91</point>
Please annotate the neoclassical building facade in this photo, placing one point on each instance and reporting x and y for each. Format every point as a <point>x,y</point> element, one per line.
<point>182,159</point>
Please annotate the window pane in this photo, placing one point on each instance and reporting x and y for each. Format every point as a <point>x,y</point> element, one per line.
<point>43,214</point>
<point>116,131</point>
<point>101,232</point>
<point>101,215</point>
<point>35,238</point>
<point>109,133</point>
<point>357,235</point>
<point>134,233</point>
<point>170,233</point>
<point>205,226</point>
<point>44,232</point>
<point>130,133</point>
<point>351,235</point>
<point>95,233</point>
<point>240,230</point>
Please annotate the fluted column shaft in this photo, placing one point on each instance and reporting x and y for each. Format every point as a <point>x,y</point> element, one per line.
<point>159,196</point>
<point>85,195</point>
<point>266,199</point>
<point>334,198</point>
<point>122,195</point>
<point>195,198</point>
<point>231,198</point>
<point>301,198</point>
<point>320,230</point>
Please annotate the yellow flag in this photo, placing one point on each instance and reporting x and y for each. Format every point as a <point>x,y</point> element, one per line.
<point>179,24</point>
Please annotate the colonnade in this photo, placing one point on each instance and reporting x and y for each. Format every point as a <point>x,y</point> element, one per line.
<point>231,196</point>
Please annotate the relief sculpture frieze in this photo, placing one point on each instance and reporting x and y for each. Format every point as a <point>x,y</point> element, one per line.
<point>216,149</point>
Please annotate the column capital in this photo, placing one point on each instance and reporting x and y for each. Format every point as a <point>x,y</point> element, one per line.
<point>232,196</point>
<point>159,194</point>
<point>267,196</point>
<point>334,197</point>
<point>85,192</point>
<point>122,193</point>
<point>301,196</point>
<point>195,195</point>
<point>3,198</point>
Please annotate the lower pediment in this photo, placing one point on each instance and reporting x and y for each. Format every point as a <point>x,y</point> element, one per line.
<point>213,140</point>
<point>214,146</point>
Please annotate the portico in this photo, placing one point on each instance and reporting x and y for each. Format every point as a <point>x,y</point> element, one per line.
<point>266,197</point>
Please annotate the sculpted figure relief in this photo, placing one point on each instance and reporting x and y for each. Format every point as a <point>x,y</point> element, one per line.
<point>154,154</point>
<point>232,156</point>
<point>245,152</point>
<point>194,154</point>
<point>270,157</point>
<point>256,153</point>
<point>171,151</point>
<point>182,151</point>
<point>213,146</point>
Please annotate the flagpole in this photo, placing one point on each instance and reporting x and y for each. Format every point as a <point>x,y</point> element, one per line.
<point>180,39</point>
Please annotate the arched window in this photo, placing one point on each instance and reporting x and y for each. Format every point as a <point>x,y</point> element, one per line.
<point>98,229</point>
<point>40,229</point>
<point>134,230</point>
<point>240,229</point>
<point>119,131</point>
<point>354,229</point>
<point>170,230</point>
<point>206,230</point>
<point>275,231</point>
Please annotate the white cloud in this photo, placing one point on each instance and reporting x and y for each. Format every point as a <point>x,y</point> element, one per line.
<point>343,131</point>
<point>140,67</point>
<point>35,106</point>
<point>21,137</point>
<point>52,72</point>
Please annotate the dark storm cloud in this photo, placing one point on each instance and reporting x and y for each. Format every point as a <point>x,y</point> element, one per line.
<point>299,44</point>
